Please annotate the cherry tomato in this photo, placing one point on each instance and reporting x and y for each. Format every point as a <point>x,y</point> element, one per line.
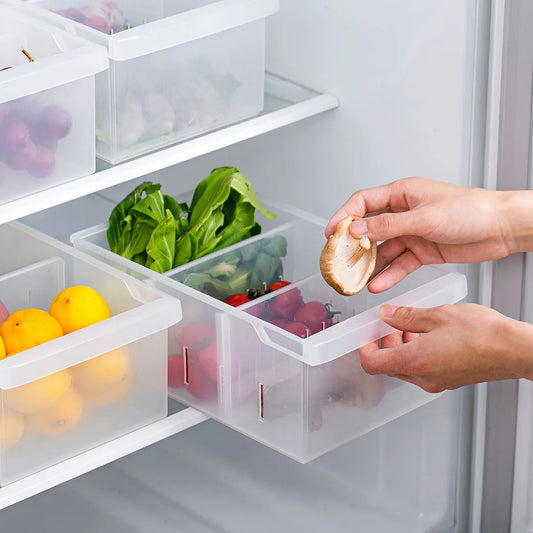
<point>286,304</point>
<point>314,315</point>
<point>277,285</point>
<point>298,328</point>
<point>176,371</point>
<point>237,299</point>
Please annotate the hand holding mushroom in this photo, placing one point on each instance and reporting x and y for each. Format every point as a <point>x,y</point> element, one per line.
<point>422,222</point>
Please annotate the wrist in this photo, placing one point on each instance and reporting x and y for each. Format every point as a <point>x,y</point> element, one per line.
<point>516,345</point>
<point>516,219</point>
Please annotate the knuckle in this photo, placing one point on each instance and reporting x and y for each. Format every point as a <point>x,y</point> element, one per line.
<point>432,388</point>
<point>368,363</point>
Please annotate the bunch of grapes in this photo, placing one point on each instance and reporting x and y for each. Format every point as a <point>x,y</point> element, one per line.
<point>29,134</point>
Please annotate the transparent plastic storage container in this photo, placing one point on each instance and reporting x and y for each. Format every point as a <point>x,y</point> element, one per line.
<point>47,105</point>
<point>178,68</point>
<point>300,396</point>
<point>87,387</point>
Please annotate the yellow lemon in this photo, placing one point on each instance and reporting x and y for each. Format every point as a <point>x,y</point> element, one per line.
<point>2,349</point>
<point>77,307</point>
<point>38,395</point>
<point>109,395</point>
<point>60,418</point>
<point>27,328</point>
<point>11,428</point>
<point>102,371</point>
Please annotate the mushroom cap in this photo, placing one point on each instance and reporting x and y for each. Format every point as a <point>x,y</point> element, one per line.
<point>347,263</point>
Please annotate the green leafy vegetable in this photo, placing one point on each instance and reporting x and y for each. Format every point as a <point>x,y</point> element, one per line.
<point>154,230</point>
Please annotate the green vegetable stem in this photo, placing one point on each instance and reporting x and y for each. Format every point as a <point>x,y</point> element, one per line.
<point>154,230</point>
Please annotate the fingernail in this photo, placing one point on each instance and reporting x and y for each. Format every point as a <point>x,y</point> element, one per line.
<point>358,228</point>
<point>387,311</point>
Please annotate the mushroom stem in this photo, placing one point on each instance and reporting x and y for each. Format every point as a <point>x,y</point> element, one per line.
<point>364,246</point>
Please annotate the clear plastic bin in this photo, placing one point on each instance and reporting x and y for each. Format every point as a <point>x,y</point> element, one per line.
<point>87,387</point>
<point>177,68</point>
<point>47,106</point>
<point>301,395</point>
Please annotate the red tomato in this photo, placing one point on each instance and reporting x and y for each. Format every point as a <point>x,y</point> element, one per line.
<point>237,299</point>
<point>314,315</point>
<point>286,304</point>
<point>176,371</point>
<point>277,285</point>
<point>298,328</point>
<point>207,361</point>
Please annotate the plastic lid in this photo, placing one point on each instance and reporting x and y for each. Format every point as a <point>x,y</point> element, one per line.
<point>173,30</point>
<point>75,59</point>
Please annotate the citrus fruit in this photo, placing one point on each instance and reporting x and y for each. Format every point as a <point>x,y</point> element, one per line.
<point>11,428</point>
<point>38,395</point>
<point>59,418</point>
<point>102,371</point>
<point>77,307</point>
<point>2,349</point>
<point>109,395</point>
<point>27,328</point>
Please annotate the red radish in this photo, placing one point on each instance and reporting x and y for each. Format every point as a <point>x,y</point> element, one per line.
<point>298,328</point>
<point>314,315</point>
<point>207,361</point>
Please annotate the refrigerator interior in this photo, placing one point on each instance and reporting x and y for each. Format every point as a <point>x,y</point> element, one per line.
<point>410,78</point>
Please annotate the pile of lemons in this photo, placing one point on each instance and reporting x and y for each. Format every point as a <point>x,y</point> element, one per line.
<point>53,405</point>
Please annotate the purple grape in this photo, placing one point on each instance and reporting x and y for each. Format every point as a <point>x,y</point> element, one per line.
<point>20,159</point>
<point>26,109</point>
<point>42,164</point>
<point>40,137</point>
<point>14,135</point>
<point>55,121</point>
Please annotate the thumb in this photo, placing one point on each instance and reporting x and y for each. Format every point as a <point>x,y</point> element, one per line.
<point>386,226</point>
<point>411,319</point>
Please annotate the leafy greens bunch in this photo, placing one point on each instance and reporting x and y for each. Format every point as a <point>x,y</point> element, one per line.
<point>252,267</point>
<point>154,230</point>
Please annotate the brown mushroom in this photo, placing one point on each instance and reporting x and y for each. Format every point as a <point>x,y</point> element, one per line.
<point>347,263</point>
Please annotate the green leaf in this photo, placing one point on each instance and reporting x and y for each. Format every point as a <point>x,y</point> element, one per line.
<point>152,207</point>
<point>161,246</point>
<point>117,225</point>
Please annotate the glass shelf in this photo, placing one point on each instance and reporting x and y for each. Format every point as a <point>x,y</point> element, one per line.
<point>285,103</point>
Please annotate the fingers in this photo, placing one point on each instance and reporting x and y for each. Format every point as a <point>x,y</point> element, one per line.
<point>403,265</point>
<point>410,319</point>
<point>361,203</point>
<point>419,222</point>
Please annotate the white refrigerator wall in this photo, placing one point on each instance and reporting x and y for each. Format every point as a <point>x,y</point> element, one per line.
<point>411,80</point>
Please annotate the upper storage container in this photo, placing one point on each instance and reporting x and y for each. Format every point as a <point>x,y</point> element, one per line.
<point>85,387</point>
<point>178,68</point>
<point>282,368</point>
<point>47,105</point>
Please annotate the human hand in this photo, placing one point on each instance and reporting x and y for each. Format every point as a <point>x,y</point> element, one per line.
<point>429,222</point>
<point>462,344</point>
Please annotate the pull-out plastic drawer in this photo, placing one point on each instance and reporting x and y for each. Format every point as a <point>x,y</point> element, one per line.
<point>301,395</point>
<point>86,387</point>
